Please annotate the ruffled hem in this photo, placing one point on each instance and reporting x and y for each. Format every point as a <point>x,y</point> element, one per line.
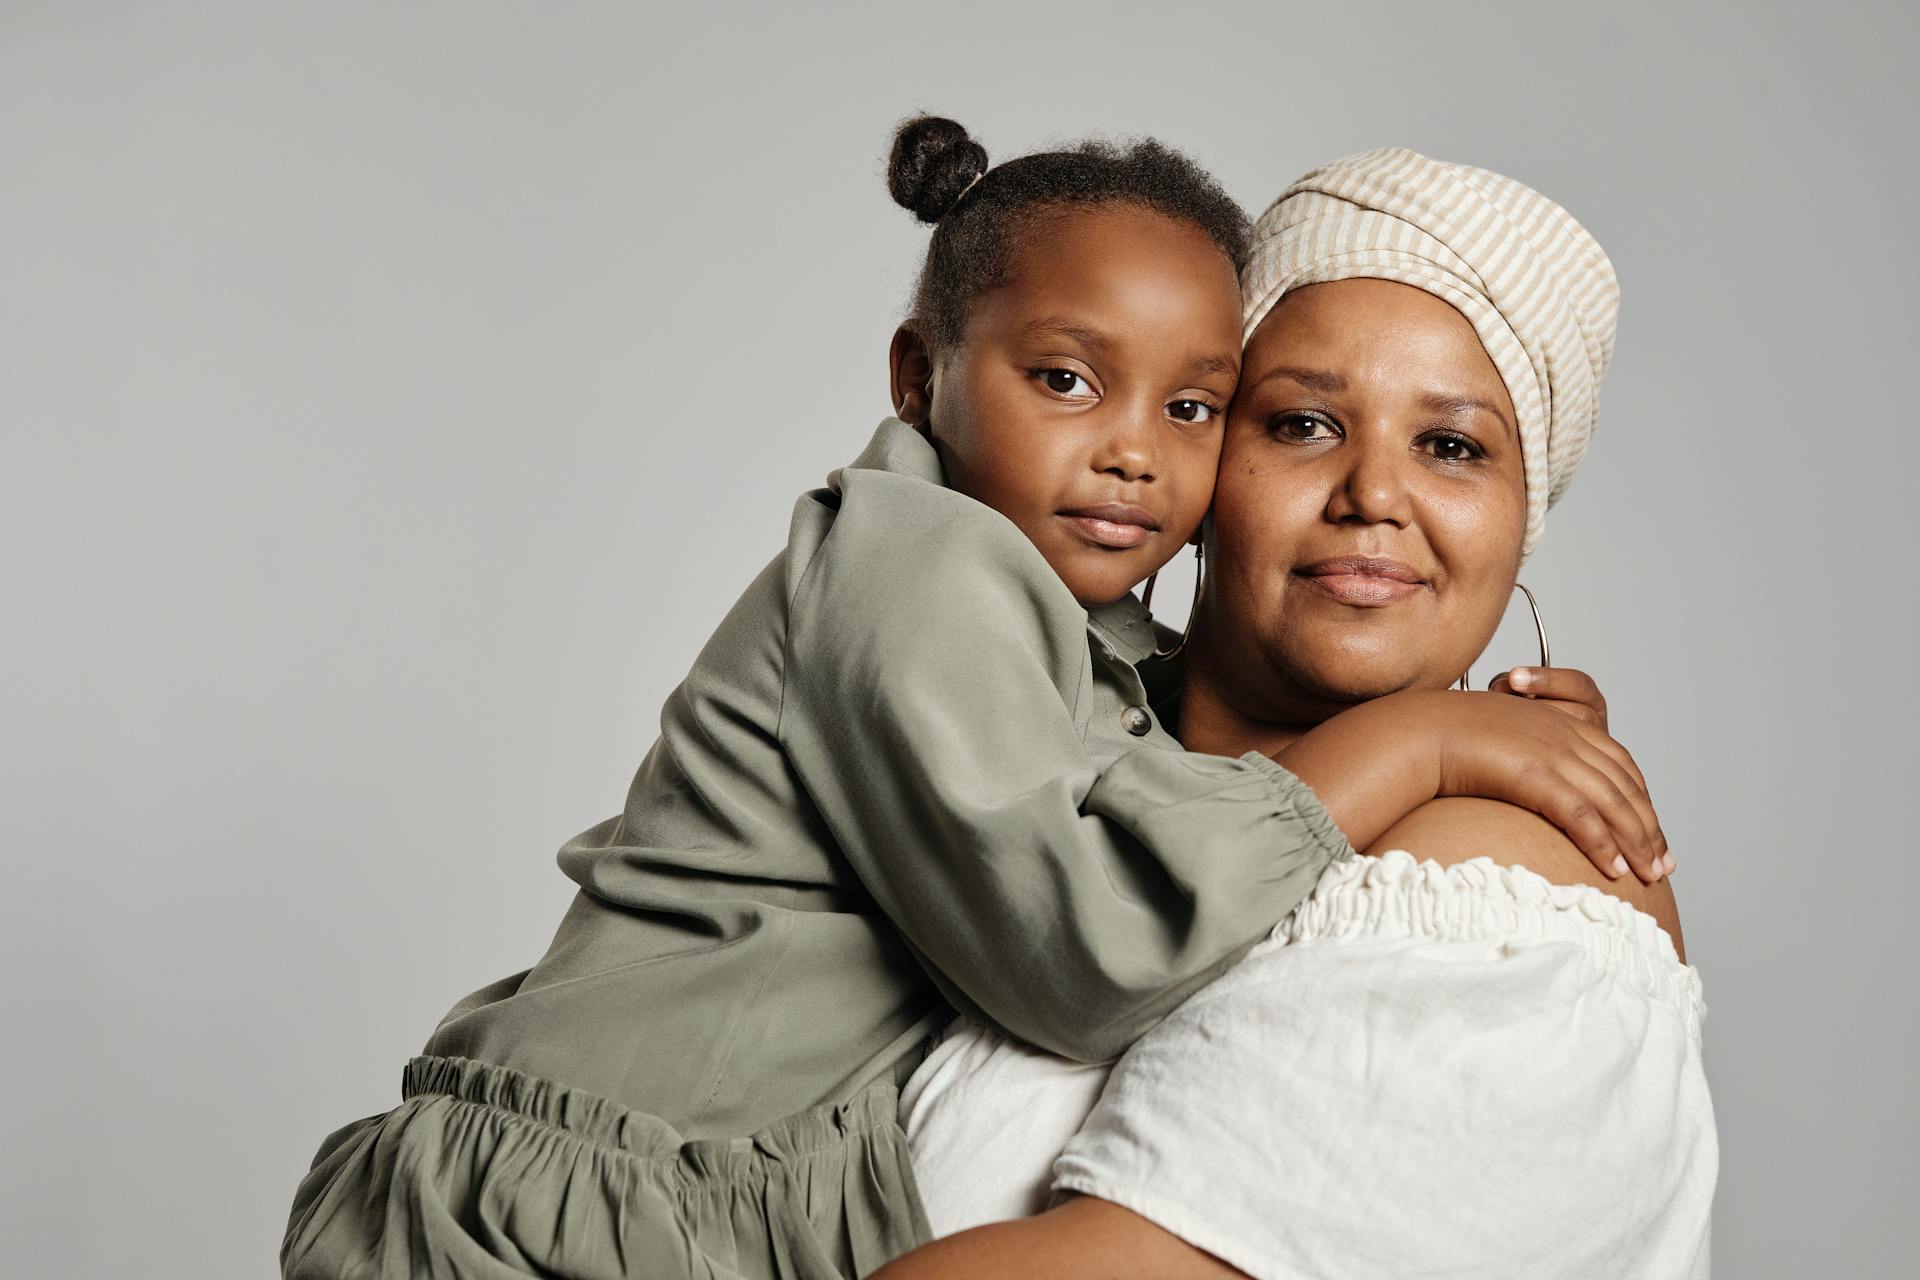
<point>487,1172</point>
<point>1396,895</point>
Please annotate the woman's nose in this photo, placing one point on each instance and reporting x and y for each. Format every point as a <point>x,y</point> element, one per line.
<point>1372,489</point>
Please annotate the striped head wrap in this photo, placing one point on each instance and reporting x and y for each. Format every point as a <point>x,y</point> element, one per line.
<point>1536,287</point>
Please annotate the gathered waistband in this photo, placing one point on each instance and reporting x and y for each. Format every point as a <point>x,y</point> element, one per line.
<point>604,1123</point>
<point>1398,896</point>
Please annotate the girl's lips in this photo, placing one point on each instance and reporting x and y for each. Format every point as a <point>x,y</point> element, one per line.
<point>1113,524</point>
<point>1109,533</point>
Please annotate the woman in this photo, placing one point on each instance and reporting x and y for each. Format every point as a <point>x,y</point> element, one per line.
<point>1446,1067</point>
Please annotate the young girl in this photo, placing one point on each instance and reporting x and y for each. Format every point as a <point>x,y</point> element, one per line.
<point>913,772</point>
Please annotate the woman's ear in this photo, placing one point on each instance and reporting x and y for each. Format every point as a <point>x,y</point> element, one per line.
<point>911,368</point>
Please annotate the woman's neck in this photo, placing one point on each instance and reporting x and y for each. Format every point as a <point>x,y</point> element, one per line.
<point>1223,716</point>
<point>1211,721</point>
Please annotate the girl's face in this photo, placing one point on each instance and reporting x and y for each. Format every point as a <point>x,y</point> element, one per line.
<point>1368,519</point>
<point>1087,398</point>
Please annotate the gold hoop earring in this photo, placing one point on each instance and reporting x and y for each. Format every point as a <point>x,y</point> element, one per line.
<point>1199,583</point>
<point>1465,682</point>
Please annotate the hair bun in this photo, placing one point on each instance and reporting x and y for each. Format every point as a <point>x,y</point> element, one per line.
<point>933,164</point>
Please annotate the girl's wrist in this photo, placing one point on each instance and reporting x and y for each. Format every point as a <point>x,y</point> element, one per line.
<point>1373,764</point>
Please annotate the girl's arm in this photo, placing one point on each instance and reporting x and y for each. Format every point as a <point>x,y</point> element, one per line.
<point>1547,756</point>
<point>937,697</point>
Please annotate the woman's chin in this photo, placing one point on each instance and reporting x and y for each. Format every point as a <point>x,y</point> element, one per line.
<point>1351,682</point>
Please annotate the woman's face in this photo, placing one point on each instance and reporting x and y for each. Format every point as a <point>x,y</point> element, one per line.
<point>1087,398</point>
<point>1370,505</point>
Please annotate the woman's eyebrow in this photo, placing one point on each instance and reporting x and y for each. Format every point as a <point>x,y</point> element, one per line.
<point>1312,379</point>
<point>1454,406</point>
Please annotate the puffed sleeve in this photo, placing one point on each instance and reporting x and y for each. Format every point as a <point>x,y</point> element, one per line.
<point>934,674</point>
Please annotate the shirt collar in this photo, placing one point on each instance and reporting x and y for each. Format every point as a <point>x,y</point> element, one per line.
<point>1126,625</point>
<point>898,448</point>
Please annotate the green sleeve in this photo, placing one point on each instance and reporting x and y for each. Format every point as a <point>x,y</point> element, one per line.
<point>935,667</point>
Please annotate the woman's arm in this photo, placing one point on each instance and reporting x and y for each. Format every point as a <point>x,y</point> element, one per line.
<point>1082,1239</point>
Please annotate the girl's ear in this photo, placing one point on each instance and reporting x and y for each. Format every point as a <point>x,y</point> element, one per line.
<point>911,368</point>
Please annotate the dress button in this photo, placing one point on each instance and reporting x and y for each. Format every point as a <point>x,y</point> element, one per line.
<point>1136,721</point>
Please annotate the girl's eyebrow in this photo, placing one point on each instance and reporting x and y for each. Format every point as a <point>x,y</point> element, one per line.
<point>1094,340</point>
<point>1062,327</point>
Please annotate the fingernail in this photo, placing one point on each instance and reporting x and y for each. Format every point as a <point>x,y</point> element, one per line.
<point>1666,865</point>
<point>1619,866</point>
<point>1520,678</point>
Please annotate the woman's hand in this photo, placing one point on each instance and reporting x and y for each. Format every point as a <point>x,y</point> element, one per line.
<point>1373,764</point>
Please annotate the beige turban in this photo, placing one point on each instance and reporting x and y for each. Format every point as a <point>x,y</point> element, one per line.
<point>1535,285</point>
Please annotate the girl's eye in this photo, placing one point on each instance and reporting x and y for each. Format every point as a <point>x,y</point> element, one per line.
<point>1448,447</point>
<point>1195,411</point>
<point>1302,426</point>
<point>1062,382</point>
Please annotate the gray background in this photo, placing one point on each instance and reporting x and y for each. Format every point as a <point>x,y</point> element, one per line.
<point>396,395</point>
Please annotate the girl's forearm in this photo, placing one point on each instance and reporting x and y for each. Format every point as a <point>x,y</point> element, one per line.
<point>1371,765</point>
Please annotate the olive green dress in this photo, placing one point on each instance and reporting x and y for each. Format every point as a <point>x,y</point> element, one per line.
<point>908,775</point>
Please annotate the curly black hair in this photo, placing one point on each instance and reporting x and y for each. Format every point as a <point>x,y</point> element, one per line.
<point>978,212</point>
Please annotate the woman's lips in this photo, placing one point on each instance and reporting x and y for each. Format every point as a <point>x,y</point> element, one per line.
<point>1113,524</point>
<point>1363,581</point>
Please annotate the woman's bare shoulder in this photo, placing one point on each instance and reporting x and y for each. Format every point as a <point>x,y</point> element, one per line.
<point>1457,828</point>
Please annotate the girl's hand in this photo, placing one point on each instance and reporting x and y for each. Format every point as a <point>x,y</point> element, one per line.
<point>1572,693</point>
<point>1373,764</point>
<point>1563,767</point>
<point>1562,688</point>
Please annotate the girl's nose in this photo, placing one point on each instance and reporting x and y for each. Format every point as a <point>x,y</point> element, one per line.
<point>1127,446</point>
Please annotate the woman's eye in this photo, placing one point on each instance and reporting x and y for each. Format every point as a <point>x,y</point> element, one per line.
<point>1063,382</point>
<point>1191,411</point>
<point>1301,426</point>
<point>1452,448</point>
